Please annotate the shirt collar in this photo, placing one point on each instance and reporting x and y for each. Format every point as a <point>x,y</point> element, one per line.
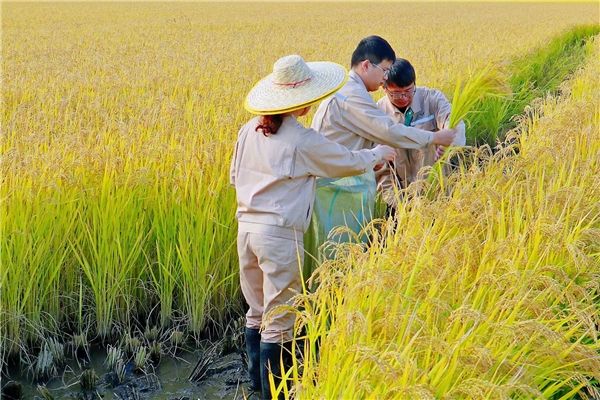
<point>417,101</point>
<point>353,76</point>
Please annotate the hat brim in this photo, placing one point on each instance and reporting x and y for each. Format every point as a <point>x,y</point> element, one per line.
<point>268,98</point>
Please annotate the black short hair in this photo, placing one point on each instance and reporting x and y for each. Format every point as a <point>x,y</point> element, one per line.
<point>372,48</point>
<point>402,73</point>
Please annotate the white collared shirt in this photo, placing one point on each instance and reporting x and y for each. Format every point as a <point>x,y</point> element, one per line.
<point>431,112</point>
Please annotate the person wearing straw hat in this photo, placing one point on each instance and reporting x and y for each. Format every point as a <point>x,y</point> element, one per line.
<point>273,169</point>
<point>352,118</point>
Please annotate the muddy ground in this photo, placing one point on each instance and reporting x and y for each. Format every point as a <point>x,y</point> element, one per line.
<point>216,375</point>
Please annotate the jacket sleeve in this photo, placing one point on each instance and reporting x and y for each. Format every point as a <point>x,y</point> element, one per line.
<point>318,156</point>
<point>442,109</point>
<point>367,120</point>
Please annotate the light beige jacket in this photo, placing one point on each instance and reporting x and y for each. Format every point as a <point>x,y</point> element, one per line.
<point>352,118</point>
<point>274,176</point>
<point>431,112</point>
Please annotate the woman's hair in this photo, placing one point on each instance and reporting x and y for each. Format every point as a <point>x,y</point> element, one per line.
<point>269,124</point>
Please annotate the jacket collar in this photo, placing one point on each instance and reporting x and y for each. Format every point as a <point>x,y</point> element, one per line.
<point>354,77</point>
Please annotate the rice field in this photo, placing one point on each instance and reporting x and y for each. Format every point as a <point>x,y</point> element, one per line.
<point>491,292</point>
<point>116,214</point>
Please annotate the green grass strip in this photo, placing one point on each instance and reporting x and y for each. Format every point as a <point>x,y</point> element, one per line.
<point>530,77</point>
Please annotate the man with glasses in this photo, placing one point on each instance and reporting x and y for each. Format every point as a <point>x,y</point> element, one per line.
<point>351,117</point>
<point>418,107</point>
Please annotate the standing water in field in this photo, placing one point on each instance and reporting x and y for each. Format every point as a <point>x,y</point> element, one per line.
<point>220,376</point>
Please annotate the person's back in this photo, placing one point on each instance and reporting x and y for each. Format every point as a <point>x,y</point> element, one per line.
<point>275,175</point>
<point>269,195</point>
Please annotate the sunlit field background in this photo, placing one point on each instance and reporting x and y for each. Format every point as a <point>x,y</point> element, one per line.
<point>118,121</point>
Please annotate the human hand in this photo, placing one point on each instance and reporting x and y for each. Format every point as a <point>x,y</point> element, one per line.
<point>439,152</point>
<point>444,137</point>
<point>384,153</point>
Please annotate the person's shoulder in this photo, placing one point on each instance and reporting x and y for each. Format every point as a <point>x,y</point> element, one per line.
<point>303,136</point>
<point>346,91</point>
<point>355,97</point>
<point>385,105</point>
<point>337,97</point>
<point>251,123</point>
<point>294,129</point>
<point>425,91</point>
<point>353,89</point>
<point>249,126</point>
<point>430,96</point>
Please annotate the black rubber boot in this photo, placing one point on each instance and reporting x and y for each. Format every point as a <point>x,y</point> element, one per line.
<point>271,356</point>
<point>253,353</point>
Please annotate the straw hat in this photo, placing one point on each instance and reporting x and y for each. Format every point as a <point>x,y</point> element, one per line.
<point>294,84</point>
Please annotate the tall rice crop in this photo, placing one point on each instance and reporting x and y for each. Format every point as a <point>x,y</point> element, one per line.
<point>117,126</point>
<point>489,292</point>
<point>35,260</point>
<point>109,245</point>
<point>470,91</point>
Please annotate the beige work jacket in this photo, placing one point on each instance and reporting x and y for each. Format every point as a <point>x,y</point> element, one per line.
<point>352,118</point>
<point>431,112</point>
<point>274,176</point>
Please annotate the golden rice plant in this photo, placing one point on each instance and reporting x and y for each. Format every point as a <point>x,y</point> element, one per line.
<point>117,126</point>
<point>469,92</point>
<point>491,292</point>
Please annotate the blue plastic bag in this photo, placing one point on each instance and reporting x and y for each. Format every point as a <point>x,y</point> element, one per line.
<point>346,202</point>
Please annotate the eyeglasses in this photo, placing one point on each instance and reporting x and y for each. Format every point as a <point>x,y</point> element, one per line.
<point>396,94</point>
<point>385,71</point>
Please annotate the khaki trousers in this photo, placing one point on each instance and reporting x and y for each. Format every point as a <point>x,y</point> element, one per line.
<point>270,277</point>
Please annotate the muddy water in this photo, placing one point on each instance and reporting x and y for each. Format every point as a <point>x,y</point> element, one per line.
<point>225,378</point>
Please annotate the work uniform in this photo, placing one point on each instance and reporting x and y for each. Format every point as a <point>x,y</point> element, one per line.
<point>274,177</point>
<point>430,111</point>
<point>352,118</point>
